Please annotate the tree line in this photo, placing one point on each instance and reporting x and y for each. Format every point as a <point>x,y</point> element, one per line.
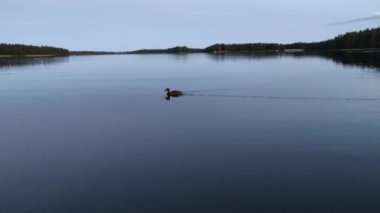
<point>365,39</point>
<point>20,50</point>
<point>177,49</point>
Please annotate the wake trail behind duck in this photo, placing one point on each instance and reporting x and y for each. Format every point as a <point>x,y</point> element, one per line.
<point>305,98</point>
<point>209,90</point>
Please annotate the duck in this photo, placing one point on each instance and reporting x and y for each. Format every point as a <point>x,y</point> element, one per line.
<point>173,93</point>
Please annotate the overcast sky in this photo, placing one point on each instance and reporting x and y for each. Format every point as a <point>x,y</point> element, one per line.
<point>133,24</point>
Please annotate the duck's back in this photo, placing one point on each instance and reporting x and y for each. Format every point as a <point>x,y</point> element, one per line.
<point>175,93</point>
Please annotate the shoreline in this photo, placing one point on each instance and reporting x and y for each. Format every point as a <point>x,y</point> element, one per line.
<point>376,50</point>
<point>299,51</point>
<point>28,56</point>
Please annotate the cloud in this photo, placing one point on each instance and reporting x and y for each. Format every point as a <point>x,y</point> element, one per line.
<point>373,17</point>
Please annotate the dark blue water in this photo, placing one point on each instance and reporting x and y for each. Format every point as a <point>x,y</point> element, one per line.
<point>252,134</point>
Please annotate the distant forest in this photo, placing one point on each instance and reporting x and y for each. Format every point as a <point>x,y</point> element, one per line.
<point>365,39</point>
<point>94,53</point>
<point>179,49</point>
<point>21,50</point>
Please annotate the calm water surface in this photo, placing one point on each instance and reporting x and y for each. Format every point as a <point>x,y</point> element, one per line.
<point>252,134</point>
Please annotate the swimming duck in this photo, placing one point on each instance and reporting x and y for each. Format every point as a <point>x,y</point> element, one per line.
<point>173,93</point>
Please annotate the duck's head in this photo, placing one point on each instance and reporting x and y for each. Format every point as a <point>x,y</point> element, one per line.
<point>167,90</point>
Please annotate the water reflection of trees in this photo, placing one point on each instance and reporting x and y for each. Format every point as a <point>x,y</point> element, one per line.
<point>358,59</point>
<point>25,61</point>
<point>244,55</point>
<point>349,58</point>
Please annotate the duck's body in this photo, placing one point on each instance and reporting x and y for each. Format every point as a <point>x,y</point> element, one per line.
<point>173,93</point>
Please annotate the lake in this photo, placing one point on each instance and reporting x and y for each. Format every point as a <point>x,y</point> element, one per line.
<point>253,133</point>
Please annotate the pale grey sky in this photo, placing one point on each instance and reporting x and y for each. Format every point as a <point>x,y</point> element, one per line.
<point>133,24</point>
